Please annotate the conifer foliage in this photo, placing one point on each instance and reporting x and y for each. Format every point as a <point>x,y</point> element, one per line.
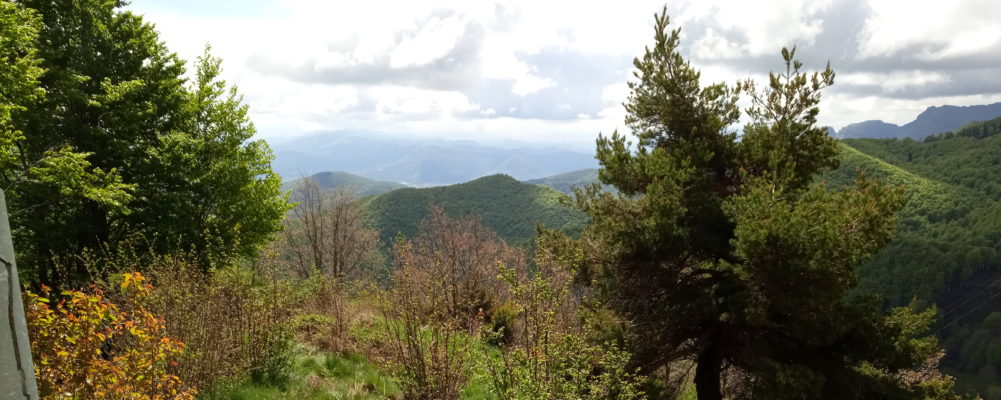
<point>719,249</point>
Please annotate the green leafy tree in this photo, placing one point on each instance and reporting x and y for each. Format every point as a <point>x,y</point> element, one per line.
<point>121,147</point>
<point>19,73</point>
<point>111,89</point>
<point>44,183</point>
<point>224,198</point>
<point>718,248</point>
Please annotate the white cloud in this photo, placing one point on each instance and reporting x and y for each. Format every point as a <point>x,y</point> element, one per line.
<point>958,27</point>
<point>523,48</point>
<point>527,84</point>
<point>434,40</point>
<point>397,102</point>
<point>765,25</point>
<point>894,81</point>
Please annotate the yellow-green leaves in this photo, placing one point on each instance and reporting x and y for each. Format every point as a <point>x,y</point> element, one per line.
<point>87,347</point>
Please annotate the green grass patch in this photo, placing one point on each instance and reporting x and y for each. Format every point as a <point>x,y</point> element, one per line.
<point>318,376</point>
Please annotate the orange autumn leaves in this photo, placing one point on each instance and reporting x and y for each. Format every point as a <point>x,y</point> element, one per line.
<point>86,347</point>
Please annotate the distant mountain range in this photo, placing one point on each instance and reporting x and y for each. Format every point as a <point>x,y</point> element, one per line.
<point>433,162</point>
<point>932,120</point>
<point>419,162</point>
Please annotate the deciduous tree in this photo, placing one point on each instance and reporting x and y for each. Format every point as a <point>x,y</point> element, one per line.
<point>327,232</point>
<point>105,141</point>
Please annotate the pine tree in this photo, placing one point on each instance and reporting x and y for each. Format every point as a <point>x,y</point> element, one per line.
<point>720,248</point>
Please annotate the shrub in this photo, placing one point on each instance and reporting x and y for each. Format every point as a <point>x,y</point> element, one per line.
<point>326,313</point>
<point>548,357</point>
<point>428,355</point>
<point>500,329</point>
<point>566,367</point>
<point>87,347</point>
<point>236,322</point>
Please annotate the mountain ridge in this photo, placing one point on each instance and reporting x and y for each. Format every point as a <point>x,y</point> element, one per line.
<point>360,185</point>
<point>933,120</point>
<point>420,162</point>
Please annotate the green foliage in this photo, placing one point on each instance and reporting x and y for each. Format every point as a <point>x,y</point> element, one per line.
<point>318,376</point>
<point>947,234</point>
<point>569,368</point>
<point>548,361</point>
<point>506,206</point>
<point>103,140</point>
<point>722,251</point>
<point>225,200</point>
<point>235,321</point>
<point>274,366</point>
<point>19,72</point>
<point>499,331</point>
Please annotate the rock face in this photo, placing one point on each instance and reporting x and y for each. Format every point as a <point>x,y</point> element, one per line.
<point>931,121</point>
<point>17,376</point>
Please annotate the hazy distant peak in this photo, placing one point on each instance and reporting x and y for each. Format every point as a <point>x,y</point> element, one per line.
<point>933,120</point>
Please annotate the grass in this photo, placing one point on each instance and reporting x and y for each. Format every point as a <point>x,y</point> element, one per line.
<point>319,376</point>
<point>325,376</point>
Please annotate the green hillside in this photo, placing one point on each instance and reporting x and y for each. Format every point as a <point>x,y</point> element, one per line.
<point>946,252</point>
<point>360,185</point>
<point>505,205</point>
<point>566,181</point>
<point>947,248</point>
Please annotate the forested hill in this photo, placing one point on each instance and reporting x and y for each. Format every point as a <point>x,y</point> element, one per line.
<point>947,247</point>
<point>503,204</point>
<point>359,185</point>
<point>947,251</point>
<point>565,182</point>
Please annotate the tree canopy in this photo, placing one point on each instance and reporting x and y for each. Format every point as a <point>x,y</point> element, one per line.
<point>107,144</point>
<point>719,249</point>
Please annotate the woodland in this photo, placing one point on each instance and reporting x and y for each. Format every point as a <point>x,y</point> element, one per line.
<point>163,258</point>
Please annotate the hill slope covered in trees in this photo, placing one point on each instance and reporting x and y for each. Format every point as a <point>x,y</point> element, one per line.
<point>503,204</point>
<point>946,249</point>
<point>565,182</point>
<point>359,185</point>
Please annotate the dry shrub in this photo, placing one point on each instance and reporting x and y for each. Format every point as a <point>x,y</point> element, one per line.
<point>327,313</point>
<point>427,353</point>
<point>326,233</point>
<point>87,347</point>
<point>445,286</point>
<point>464,255</point>
<point>235,321</point>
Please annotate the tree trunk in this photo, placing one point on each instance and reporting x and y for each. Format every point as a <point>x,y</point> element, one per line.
<point>707,373</point>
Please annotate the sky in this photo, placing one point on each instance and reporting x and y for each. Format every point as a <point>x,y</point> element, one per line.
<point>554,71</point>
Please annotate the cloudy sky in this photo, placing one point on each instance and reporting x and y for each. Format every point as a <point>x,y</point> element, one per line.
<point>556,71</point>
